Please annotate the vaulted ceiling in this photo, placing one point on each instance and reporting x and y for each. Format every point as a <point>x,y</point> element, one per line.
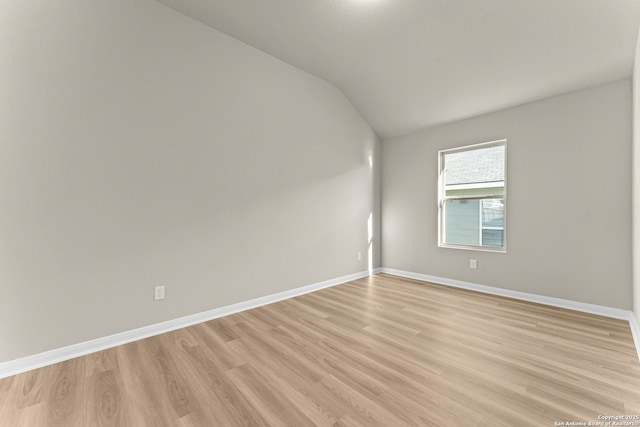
<point>410,64</point>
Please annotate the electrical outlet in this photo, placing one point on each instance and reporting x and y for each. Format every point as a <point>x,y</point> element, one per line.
<point>359,256</point>
<point>473,263</point>
<point>158,293</point>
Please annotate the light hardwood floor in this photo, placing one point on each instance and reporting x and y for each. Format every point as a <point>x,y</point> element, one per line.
<point>379,351</point>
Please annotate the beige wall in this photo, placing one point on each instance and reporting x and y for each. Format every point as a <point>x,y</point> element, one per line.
<point>636,183</point>
<point>568,207</point>
<point>139,147</point>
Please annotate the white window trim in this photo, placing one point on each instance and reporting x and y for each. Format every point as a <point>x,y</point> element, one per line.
<point>442,198</point>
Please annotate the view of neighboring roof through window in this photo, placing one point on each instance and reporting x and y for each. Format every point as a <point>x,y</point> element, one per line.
<point>472,197</point>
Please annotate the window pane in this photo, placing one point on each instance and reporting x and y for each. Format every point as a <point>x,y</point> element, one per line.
<point>493,213</point>
<point>474,222</point>
<point>462,222</point>
<point>494,238</point>
<point>482,166</point>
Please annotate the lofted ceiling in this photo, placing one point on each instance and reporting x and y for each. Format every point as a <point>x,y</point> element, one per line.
<point>410,64</point>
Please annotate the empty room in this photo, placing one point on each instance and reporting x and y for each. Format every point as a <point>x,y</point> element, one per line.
<point>337,213</point>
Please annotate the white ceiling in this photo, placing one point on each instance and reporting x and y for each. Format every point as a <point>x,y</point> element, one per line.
<point>410,64</point>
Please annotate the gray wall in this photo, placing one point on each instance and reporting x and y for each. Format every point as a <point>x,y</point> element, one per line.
<point>568,202</point>
<point>139,147</point>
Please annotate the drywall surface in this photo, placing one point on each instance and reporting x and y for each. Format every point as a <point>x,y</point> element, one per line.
<point>636,183</point>
<point>139,147</point>
<point>568,202</point>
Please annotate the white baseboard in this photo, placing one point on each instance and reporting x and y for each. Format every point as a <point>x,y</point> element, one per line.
<point>556,302</point>
<point>635,331</point>
<point>615,313</point>
<point>17,366</point>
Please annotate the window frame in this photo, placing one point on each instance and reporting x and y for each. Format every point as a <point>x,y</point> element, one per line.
<point>442,198</point>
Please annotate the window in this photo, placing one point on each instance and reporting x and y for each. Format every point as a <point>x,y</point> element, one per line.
<point>472,195</point>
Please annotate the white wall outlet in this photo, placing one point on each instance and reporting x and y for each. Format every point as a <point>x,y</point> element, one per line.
<point>158,293</point>
<point>359,256</point>
<point>473,263</point>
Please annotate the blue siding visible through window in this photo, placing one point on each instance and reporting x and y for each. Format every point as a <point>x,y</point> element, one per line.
<point>493,238</point>
<point>463,222</point>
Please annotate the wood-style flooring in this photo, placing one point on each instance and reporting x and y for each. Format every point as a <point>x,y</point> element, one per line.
<point>379,351</point>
